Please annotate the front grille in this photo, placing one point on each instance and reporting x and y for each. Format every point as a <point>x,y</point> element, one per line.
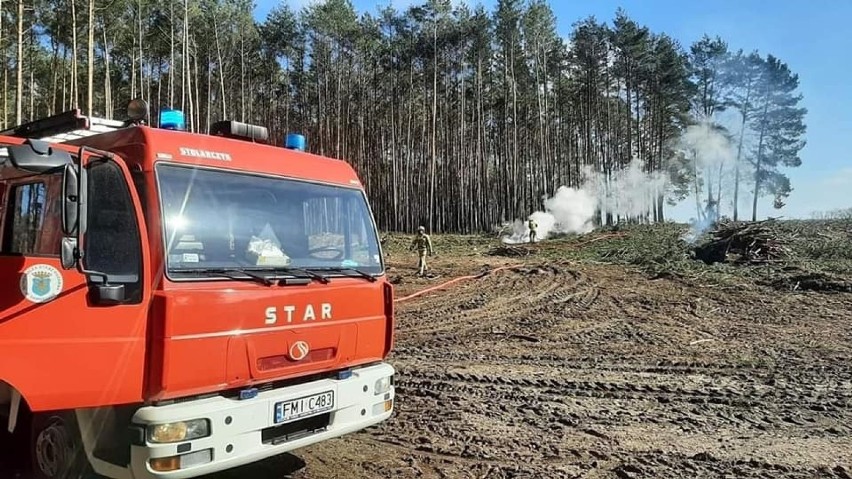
<point>296,429</point>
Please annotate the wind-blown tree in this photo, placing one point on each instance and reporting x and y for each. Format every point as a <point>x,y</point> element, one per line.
<point>743,73</point>
<point>779,124</point>
<point>707,63</point>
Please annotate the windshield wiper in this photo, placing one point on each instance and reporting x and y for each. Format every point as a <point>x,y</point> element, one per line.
<point>265,275</point>
<point>300,271</point>
<point>232,273</point>
<point>352,272</point>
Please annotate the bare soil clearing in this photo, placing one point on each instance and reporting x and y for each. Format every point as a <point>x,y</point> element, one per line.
<point>571,369</point>
<point>653,365</point>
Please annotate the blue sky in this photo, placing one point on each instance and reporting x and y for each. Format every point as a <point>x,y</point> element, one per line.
<point>813,38</point>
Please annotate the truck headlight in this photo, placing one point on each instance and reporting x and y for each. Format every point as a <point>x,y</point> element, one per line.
<point>383,385</point>
<point>178,431</point>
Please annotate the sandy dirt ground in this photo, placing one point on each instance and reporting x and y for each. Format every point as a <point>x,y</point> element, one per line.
<point>575,370</point>
<point>556,369</point>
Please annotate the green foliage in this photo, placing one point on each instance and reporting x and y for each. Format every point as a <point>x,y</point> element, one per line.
<point>818,256</point>
<point>511,110</point>
<point>779,122</point>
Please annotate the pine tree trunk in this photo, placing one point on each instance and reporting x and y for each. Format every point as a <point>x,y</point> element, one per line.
<point>64,78</point>
<point>739,154</point>
<point>757,167</point>
<point>108,106</point>
<point>209,89</point>
<point>19,61</point>
<point>74,95</point>
<point>172,55</point>
<point>141,53</point>
<point>434,129</point>
<point>221,66</point>
<point>242,79</point>
<point>54,64</point>
<point>91,60</point>
<point>32,54</point>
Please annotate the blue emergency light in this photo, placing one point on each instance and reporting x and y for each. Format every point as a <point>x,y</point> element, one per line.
<point>295,142</point>
<point>172,119</point>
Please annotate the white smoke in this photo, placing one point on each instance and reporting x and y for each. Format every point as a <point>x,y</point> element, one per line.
<point>706,143</point>
<point>711,153</point>
<point>697,228</point>
<point>629,192</point>
<point>570,210</point>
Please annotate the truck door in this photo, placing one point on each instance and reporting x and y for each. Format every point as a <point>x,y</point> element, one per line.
<point>61,346</point>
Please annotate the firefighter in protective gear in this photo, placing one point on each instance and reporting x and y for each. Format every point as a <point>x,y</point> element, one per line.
<point>423,244</point>
<point>532,226</point>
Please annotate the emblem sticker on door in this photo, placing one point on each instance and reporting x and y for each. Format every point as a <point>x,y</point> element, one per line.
<point>41,283</point>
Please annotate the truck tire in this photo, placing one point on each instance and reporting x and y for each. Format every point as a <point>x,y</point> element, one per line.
<point>56,448</point>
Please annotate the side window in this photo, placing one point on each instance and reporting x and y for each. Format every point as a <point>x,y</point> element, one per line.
<point>27,220</point>
<point>112,242</point>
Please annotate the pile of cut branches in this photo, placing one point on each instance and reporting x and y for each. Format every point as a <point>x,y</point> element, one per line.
<point>510,251</point>
<point>743,243</point>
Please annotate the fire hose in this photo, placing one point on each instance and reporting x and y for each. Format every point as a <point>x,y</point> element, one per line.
<point>453,281</point>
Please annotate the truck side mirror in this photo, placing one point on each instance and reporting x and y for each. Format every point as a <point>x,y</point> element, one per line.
<point>108,294</point>
<point>70,200</point>
<point>68,253</point>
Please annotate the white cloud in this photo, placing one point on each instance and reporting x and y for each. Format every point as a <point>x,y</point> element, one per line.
<point>843,177</point>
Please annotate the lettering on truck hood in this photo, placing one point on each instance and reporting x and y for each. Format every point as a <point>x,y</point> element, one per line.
<point>206,154</point>
<point>290,312</point>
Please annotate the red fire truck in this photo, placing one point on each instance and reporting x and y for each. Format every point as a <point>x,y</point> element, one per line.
<point>176,304</point>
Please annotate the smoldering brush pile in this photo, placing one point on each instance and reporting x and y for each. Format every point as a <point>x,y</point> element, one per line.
<point>743,243</point>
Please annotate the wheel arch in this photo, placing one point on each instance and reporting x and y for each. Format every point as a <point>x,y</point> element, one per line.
<point>14,403</point>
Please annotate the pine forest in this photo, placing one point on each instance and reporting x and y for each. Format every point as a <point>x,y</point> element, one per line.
<point>457,116</point>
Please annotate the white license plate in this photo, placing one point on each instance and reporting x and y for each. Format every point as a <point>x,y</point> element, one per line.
<point>286,411</point>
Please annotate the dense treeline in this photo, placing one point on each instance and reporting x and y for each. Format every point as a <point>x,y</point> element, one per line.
<point>455,116</point>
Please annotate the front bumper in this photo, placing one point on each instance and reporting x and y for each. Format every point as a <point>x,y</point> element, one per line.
<point>238,427</point>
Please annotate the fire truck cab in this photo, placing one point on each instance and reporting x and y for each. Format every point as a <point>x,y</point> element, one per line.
<point>176,304</point>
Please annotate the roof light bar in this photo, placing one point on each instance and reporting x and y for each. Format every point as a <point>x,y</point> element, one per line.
<point>240,130</point>
<point>295,141</point>
<point>172,119</point>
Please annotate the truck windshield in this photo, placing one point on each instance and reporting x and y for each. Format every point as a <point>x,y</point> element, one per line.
<point>221,220</point>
